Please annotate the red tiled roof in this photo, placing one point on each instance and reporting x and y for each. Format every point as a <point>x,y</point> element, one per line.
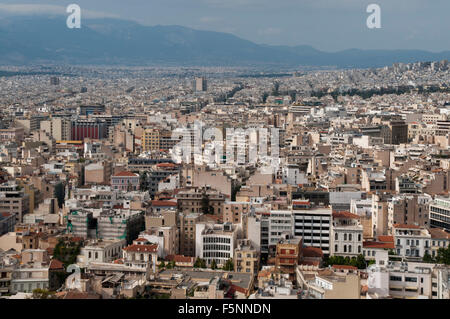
<point>438,233</point>
<point>347,215</point>
<point>56,264</point>
<point>344,267</point>
<point>142,248</point>
<point>386,239</point>
<point>312,252</point>
<point>166,165</point>
<point>163,203</point>
<point>378,245</point>
<point>180,258</point>
<point>126,174</point>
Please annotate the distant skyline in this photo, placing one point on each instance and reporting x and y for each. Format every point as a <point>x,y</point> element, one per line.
<point>329,25</point>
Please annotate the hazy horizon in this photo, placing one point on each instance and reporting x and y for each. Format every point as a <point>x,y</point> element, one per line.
<point>406,24</point>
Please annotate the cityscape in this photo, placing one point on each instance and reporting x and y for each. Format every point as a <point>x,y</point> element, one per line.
<point>255,181</point>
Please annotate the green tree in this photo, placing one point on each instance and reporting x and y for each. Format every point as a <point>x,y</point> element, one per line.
<point>60,193</point>
<point>161,265</point>
<point>205,204</point>
<point>443,256</point>
<point>213,264</point>
<point>200,263</point>
<point>427,258</point>
<point>229,265</point>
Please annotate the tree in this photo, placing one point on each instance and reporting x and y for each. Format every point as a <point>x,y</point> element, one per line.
<point>229,266</point>
<point>143,181</point>
<point>427,258</point>
<point>213,264</point>
<point>200,263</point>
<point>443,256</point>
<point>60,194</point>
<point>170,264</point>
<point>205,204</point>
<point>234,190</point>
<point>161,265</point>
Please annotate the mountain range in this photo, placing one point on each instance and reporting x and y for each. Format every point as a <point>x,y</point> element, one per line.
<point>39,39</point>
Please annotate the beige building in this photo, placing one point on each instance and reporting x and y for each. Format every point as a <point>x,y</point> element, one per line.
<point>246,257</point>
<point>328,284</point>
<point>233,211</point>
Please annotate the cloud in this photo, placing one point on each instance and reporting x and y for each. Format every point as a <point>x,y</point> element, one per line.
<point>46,9</point>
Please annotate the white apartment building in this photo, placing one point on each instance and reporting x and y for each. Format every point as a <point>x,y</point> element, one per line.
<point>313,225</point>
<point>346,235</point>
<point>440,213</point>
<point>292,175</point>
<point>411,241</point>
<point>399,280</point>
<point>215,242</point>
<point>104,251</point>
<point>280,222</point>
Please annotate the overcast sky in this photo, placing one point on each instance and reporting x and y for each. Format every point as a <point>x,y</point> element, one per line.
<point>328,25</point>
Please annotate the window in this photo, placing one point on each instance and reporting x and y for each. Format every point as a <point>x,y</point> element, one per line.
<point>345,248</point>
<point>395,278</point>
<point>345,236</point>
<point>336,236</point>
<point>335,248</point>
<point>410,279</point>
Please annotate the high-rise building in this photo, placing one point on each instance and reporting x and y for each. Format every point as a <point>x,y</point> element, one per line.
<point>200,84</point>
<point>440,213</point>
<point>94,129</point>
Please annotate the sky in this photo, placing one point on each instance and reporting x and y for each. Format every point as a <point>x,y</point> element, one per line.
<point>328,25</point>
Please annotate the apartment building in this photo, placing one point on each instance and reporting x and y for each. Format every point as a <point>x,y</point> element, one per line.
<point>195,200</point>
<point>289,253</point>
<point>233,211</point>
<point>408,209</point>
<point>346,235</point>
<point>187,227</point>
<point>440,213</point>
<point>125,181</point>
<point>279,224</point>
<point>314,226</point>
<point>215,242</point>
<point>399,280</point>
<point>14,201</point>
<point>104,251</point>
<point>246,257</point>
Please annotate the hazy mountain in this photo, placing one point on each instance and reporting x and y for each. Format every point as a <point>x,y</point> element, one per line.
<point>26,40</point>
